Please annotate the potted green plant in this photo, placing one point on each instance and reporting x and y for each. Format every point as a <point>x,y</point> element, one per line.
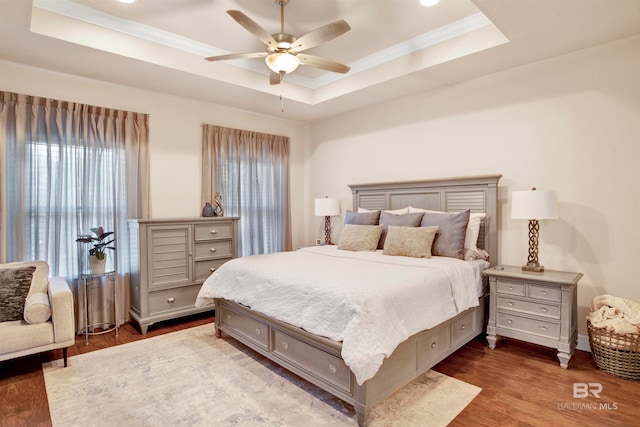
<point>97,253</point>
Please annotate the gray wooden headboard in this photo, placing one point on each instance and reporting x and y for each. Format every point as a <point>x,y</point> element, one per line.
<point>477,193</point>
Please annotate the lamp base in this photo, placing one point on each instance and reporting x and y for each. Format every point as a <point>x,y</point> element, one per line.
<point>533,267</point>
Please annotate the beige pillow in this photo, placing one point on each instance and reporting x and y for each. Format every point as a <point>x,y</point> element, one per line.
<point>359,237</point>
<point>37,308</point>
<point>413,242</point>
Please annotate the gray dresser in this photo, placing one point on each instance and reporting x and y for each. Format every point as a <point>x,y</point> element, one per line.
<point>170,260</point>
<point>540,308</point>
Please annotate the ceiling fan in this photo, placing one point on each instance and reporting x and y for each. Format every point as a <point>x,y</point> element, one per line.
<point>283,53</point>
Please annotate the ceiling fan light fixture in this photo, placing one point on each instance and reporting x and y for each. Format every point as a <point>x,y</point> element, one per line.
<point>282,61</point>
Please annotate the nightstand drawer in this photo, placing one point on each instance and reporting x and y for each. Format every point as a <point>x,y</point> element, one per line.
<point>213,231</point>
<point>511,288</point>
<point>540,309</point>
<point>530,326</point>
<point>548,293</point>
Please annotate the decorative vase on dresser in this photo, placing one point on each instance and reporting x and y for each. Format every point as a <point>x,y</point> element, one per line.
<point>174,257</point>
<point>539,308</point>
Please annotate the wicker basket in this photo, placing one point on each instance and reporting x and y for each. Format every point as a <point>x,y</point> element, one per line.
<point>615,354</point>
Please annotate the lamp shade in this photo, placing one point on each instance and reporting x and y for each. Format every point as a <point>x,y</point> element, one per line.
<point>534,204</point>
<point>327,207</point>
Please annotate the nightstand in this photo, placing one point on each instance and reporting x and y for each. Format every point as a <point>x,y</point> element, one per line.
<point>539,308</point>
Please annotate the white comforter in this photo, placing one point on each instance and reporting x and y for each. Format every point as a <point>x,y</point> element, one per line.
<point>369,301</point>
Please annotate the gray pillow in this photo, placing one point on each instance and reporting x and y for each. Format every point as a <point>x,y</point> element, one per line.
<point>452,229</point>
<point>405,220</point>
<point>362,218</point>
<point>14,288</point>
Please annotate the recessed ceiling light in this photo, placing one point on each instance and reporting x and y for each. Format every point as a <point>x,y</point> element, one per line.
<point>133,1</point>
<point>429,2</point>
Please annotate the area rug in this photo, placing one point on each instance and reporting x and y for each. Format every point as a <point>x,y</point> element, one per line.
<point>192,378</point>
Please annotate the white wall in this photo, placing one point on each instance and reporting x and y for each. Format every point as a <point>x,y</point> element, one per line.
<point>571,123</point>
<point>175,134</point>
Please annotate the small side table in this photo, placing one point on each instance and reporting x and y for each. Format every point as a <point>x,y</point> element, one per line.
<point>539,308</point>
<point>85,279</point>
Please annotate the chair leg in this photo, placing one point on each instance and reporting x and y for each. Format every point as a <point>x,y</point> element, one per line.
<point>64,356</point>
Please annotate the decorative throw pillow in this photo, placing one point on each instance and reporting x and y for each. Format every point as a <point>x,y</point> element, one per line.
<point>406,220</point>
<point>409,241</point>
<point>362,218</point>
<point>452,229</point>
<point>473,227</point>
<point>14,288</point>
<point>37,308</point>
<point>356,237</point>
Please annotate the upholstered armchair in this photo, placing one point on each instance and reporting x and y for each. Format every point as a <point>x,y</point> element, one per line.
<point>36,311</point>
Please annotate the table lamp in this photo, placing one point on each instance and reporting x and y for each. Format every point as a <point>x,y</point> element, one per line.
<point>534,205</point>
<point>327,208</point>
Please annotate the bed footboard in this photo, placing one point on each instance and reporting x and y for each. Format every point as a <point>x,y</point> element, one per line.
<point>319,361</point>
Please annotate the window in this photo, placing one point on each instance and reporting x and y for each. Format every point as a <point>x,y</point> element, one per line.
<point>251,172</point>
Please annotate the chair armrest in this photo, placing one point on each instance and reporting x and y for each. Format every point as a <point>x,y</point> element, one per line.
<point>62,312</point>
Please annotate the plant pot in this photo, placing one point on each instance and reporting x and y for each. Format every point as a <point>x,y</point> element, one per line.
<point>97,265</point>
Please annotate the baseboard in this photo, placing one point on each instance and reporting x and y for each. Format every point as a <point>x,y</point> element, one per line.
<point>583,343</point>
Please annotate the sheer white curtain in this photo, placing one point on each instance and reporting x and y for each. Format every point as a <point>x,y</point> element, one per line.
<point>250,170</point>
<point>67,168</point>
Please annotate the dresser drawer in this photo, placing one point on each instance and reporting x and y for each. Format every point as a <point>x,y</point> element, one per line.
<point>548,293</point>
<point>432,347</point>
<point>253,330</point>
<point>172,299</point>
<point>213,230</point>
<point>205,268</point>
<point>530,326</point>
<point>326,366</point>
<point>213,249</point>
<point>511,288</point>
<point>540,309</point>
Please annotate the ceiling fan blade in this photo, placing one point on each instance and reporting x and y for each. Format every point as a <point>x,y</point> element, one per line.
<point>275,78</point>
<point>237,56</point>
<point>320,35</point>
<point>252,27</point>
<point>323,63</point>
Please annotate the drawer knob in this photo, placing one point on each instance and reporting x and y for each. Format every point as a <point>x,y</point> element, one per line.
<point>213,250</point>
<point>212,269</point>
<point>510,288</point>
<point>509,321</point>
<point>285,345</point>
<point>228,317</point>
<point>544,292</point>
<point>433,345</point>
<point>214,232</point>
<point>510,303</point>
<point>171,299</point>
<point>543,328</point>
<point>333,369</point>
<point>258,331</point>
<point>544,309</point>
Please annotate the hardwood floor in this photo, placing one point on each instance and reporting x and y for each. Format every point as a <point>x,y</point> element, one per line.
<point>522,384</point>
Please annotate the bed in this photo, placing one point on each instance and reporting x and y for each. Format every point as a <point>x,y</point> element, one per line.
<point>335,360</point>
